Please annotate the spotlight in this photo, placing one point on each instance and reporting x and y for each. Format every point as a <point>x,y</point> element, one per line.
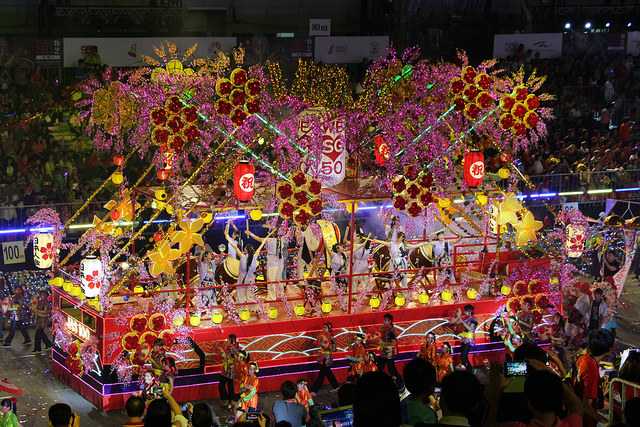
<point>587,25</point>
<point>607,25</point>
<point>628,24</point>
<point>567,25</point>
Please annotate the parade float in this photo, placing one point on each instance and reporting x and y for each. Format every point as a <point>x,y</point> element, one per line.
<point>200,145</point>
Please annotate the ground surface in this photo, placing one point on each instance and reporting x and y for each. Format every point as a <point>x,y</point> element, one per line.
<point>33,374</point>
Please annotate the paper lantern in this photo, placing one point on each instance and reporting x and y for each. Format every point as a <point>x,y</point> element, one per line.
<point>194,320</point>
<point>299,310</point>
<point>554,280</point>
<point>138,289</point>
<point>92,275</point>
<point>472,294</point>
<point>118,160</point>
<point>473,168</point>
<point>255,214</point>
<point>243,181</point>
<point>326,307</point>
<point>272,313</point>
<point>178,321</point>
<point>381,150</point>
<point>374,302</point>
<point>76,290</point>
<point>43,250</point>
<point>574,243</point>
<point>504,173</point>
<point>505,290</point>
<point>117,178</point>
<point>217,317</point>
<point>446,295</point>
<point>245,314</point>
<point>423,298</point>
<point>400,300</point>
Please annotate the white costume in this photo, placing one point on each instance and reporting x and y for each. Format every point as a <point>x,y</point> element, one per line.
<point>277,255</point>
<point>247,277</point>
<point>360,267</point>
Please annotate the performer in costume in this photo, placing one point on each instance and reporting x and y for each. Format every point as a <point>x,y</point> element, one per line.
<point>327,345</point>
<point>277,255</point>
<point>361,254</point>
<point>229,352</point>
<point>524,319</point>
<point>358,357</point>
<point>428,349</point>
<point>169,371</point>
<point>156,355</point>
<point>444,362</point>
<point>465,324</point>
<point>388,347</point>
<point>399,253</point>
<point>247,271</point>
<point>234,241</point>
<point>370,364</point>
<point>338,266</point>
<point>249,392</point>
<point>313,287</point>
<point>240,370</point>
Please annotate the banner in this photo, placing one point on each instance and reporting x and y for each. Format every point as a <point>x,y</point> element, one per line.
<point>13,252</point>
<point>633,43</point>
<point>128,51</point>
<point>349,50</point>
<point>330,170</point>
<point>548,45</point>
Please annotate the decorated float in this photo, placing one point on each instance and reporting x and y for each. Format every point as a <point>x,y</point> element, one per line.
<point>204,145</point>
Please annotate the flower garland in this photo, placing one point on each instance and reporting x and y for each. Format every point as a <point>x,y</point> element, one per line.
<point>412,191</point>
<point>299,199</point>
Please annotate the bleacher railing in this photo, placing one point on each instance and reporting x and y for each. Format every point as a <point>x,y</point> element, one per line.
<point>619,392</point>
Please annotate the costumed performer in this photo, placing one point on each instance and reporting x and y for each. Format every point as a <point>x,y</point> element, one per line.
<point>249,392</point>
<point>277,254</point>
<point>388,347</point>
<point>327,345</point>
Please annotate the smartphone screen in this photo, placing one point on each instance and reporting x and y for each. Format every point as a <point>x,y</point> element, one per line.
<point>515,369</point>
<point>339,417</point>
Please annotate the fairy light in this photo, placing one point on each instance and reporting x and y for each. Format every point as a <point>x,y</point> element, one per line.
<point>275,78</point>
<point>322,85</point>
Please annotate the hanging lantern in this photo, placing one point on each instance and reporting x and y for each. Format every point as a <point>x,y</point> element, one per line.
<point>574,243</point>
<point>243,181</point>
<point>118,160</point>
<point>381,150</point>
<point>92,275</point>
<point>473,168</point>
<point>43,250</point>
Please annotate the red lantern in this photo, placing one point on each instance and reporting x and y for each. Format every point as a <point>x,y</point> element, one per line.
<point>381,150</point>
<point>473,168</point>
<point>118,160</point>
<point>243,181</point>
<point>163,174</point>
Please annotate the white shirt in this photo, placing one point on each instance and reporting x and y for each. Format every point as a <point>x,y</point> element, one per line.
<point>337,263</point>
<point>277,247</point>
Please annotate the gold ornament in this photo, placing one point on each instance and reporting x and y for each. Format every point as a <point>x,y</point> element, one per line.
<point>526,229</point>
<point>188,235</point>
<point>161,259</point>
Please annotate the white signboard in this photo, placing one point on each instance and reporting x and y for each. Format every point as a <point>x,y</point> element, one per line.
<point>548,45</point>
<point>633,43</point>
<point>78,329</point>
<point>319,27</point>
<point>13,252</point>
<point>349,50</point>
<point>128,51</point>
<point>330,170</point>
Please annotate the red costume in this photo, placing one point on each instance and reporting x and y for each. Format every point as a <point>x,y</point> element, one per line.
<point>428,352</point>
<point>443,365</point>
<point>303,397</point>
<point>359,354</point>
<point>249,393</point>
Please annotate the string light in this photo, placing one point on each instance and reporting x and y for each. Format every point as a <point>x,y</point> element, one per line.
<point>322,85</point>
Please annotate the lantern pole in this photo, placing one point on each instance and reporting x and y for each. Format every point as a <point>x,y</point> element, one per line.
<point>188,285</point>
<point>352,233</point>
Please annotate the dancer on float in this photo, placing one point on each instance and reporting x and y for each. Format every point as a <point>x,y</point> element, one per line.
<point>465,324</point>
<point>277,255</point>
<point>327,345</point>
<point>247,271</point>
<point>428,350</point>
<point>248,393</point>
<point>229,352</point>
<point>234,241</point>
<point>361,271</point>
<point>399,253</point>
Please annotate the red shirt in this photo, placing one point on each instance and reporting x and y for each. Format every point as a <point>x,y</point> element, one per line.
<point>571,420</point>
<point>588,376</point>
